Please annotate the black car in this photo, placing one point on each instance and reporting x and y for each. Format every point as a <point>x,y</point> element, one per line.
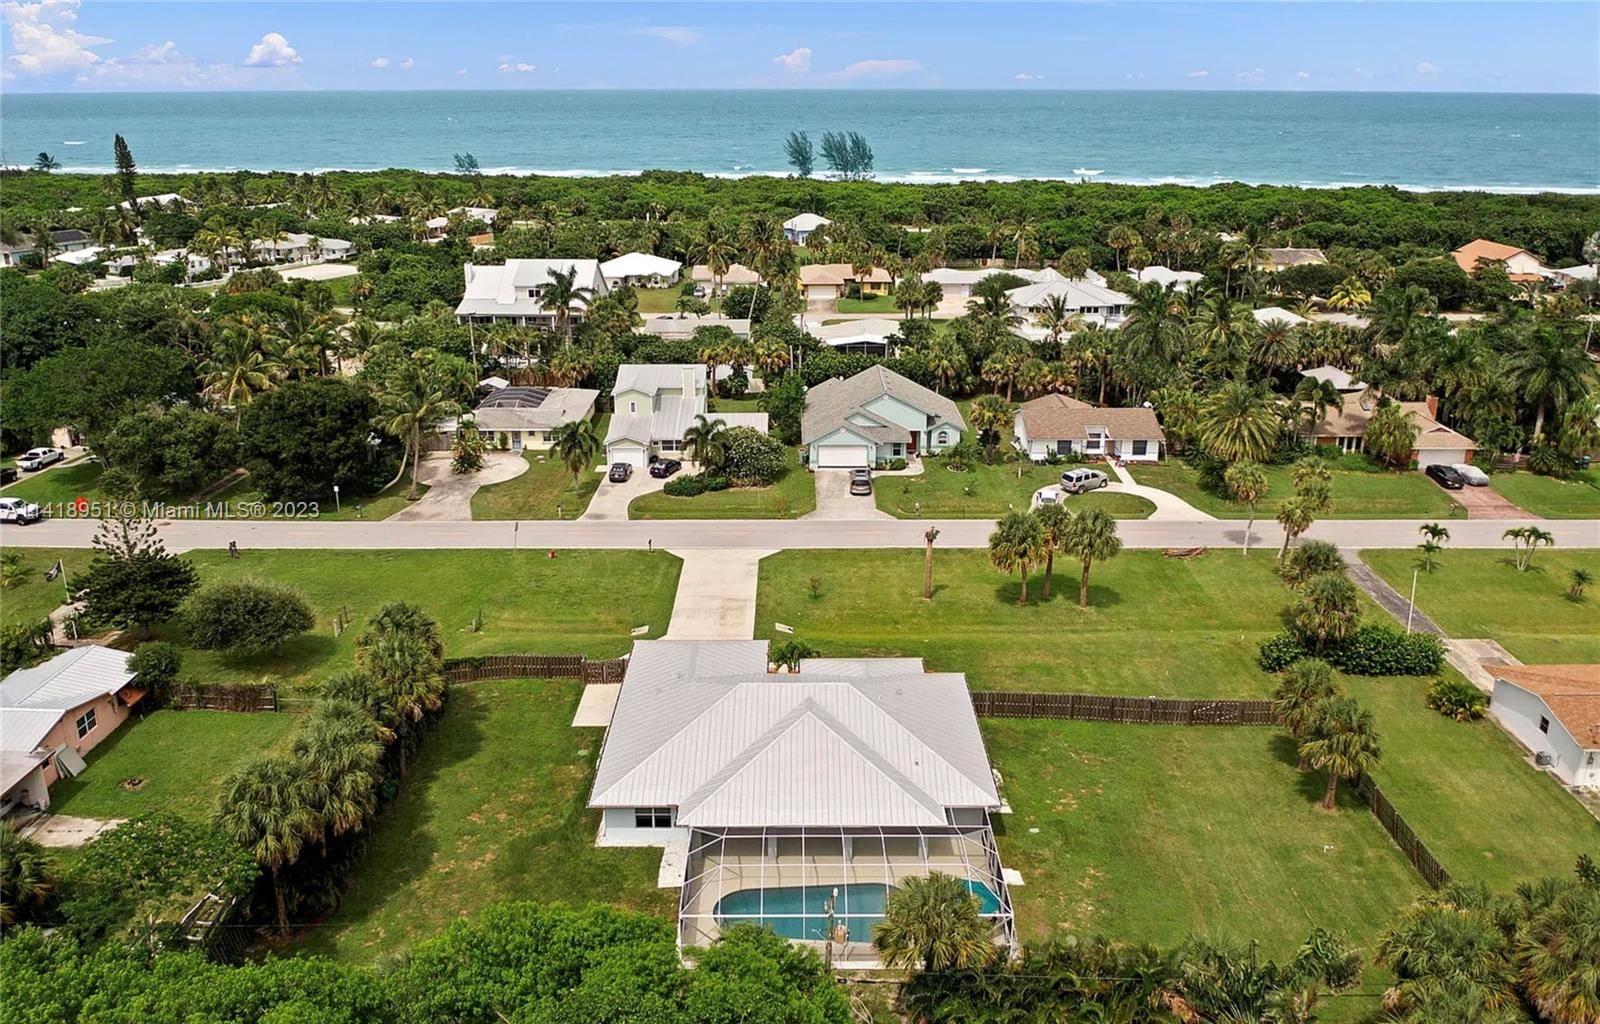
<point>664,468</point>
<point>7,474</point>
<point>620,472</point>
<point>1447,477</point>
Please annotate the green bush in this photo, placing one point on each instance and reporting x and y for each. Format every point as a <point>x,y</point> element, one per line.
<point>895,464</point>
<point>1458,699</point>
<point>156,664</point>
<point>246,617</point>
<point>716,483</point>
<point>1312,558</point>
<point>685,486</point>
<point>1372,650</point>
<point>752,458</point>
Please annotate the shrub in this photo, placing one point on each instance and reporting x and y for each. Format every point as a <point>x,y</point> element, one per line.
<point>685,486</point>
<point>790,653</point>
<point>156,663</point>
<point>1372,650</point>
<point>752,458</point>
<point>895,464</point>
<point>23,644</point>
<point>716,483</point>
<point>1458,699</point>
<point>1548,460</point>
<point>246,617</point>
<point>1312,558</point>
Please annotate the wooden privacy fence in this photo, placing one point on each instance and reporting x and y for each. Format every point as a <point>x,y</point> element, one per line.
<point>1090,707</point>
<point>534,666</point>
<point>1401,832</point>
<point>224,696</point>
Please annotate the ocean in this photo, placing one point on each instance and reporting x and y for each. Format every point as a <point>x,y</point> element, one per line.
<point>1497,142</point>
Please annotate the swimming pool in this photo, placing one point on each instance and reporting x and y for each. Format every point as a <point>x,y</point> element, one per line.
<point>801,911</point>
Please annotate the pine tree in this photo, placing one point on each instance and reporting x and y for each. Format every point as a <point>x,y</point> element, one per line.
<point>127,172</point>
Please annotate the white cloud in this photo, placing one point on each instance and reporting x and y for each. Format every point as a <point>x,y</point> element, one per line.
<point>381,62</point>
<point>407,64</point>
<point>273,51</point>
<point>875,69</point>
<point>1302,74</point>
<point>1025,76</point>
<point>43,44</point>
<point>797,60</point>
<point>1428,67</point>
<point>1253,75</point>
<point>1198,74</point>
<point>158,53</point>
<point>461,71</point>
<point>518,67</point>
<point>1362,73</point>
<point>677,35</point>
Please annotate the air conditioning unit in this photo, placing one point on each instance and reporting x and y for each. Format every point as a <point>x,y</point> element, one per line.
<point>1544,759</point>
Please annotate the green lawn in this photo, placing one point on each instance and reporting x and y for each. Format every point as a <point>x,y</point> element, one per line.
<point>182,756</point>
<point>869,304</point>
<point>663,300</point>
<point>1549,498</point>
<point>1152,833</point>
<point>538,493</point>
<point>1468,791</point>
<point>33,599</point>
<point>1357,494</point>
<point>1479,594</point>
<point>57,485</point>
<point>792,495</point>
<point>1156,625</point>
<point>342,287</point>
<point>492,810</point>
<point>244,501</point>
<point>938,493</point>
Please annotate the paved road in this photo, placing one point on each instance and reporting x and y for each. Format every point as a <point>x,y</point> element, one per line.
<point>777,534</point>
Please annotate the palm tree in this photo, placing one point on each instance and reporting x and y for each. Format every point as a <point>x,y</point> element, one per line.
<point>1299,694</point>
<point>1247,482</point>
<point>46,163</point>
<point>928,538</point>
<point>1295,517</point>
<point>339,749</point>
<point>1058,318</point>
<point>1240,421</point>
<point>1351,293</point>
<point>1525,540</point>
<point>1016,544</point>
<point>717,251</point>
<point>1434,537</point>
<point>402,651</point>
<point>265,807</point>
<point>576,444</point>
<point>1054,519</point>
<point>771,356</point>
<point>1579,581</point>
<point>1550,369</point>
<point>25,881</point>
<point>1226,331</point>
<point>1327,608</point>
<point>1313,398</point>
<point>1091,537</point>
<point>1342,742</point>
<point>559,293</point>
<point>933,924</point>
<point>239,368</point>
<point>703,441</point>
<point>1121,238</point>
<point>1555,951</point>
<point>568,365</point>
<point>1152,332</point>
<point>413,400</point>
<point>947,360</point>
<point>992,417</point>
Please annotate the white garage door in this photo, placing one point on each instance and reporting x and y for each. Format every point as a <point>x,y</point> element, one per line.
<point>1433,456</point>
<point>841,456</point>
<point>633,455</point>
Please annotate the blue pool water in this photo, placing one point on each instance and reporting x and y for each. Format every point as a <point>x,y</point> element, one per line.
<point>800,912</point>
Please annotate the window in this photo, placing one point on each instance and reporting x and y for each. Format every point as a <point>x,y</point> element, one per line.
<point>652,817</point>
<point>1063,447</point>
<point>1141,447</point>
<point>633,406</point>
<point>944,437</point>
<point>1096,441</point>
<point>1544,724</point>
<point>85,723</point>
<point>896,450</point>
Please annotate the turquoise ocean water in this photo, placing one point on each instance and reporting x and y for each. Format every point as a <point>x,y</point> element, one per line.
<point>1413,140</point>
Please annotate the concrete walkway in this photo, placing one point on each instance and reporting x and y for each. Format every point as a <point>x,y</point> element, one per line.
<point>716,597</point>
<point>449,497</point>
<point>1169,507</point>
<point>1388,598</point>
<point>62,831</point>
<point>597,705</point>
<point>1469,656</point>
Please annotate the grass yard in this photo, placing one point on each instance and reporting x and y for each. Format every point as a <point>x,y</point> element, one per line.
<point>1479,594</point>
<point>750,404</point>
<point>57,485</point>
<point>1151,833</point>
<point>938,493</point>
<point>382,505</point>
<point>343,289</point>
<point>1155,625</point>
<point>1469,792</point>
<point>182,756</point>
<point>663,300</point>
<point>790,496</point>
<point>537,493</point>
<point>1357,494</point>
<point>1549,498</point>
<point>869,304</point>
<point>492,810</point>
<point>32,599</point>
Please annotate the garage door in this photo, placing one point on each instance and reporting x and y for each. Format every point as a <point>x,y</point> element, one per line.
<point>633,455</point>
<point>841,456</point>
<point>1433,456</point>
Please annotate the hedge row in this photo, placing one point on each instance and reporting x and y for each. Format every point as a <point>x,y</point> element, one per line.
<point>1372,650</point>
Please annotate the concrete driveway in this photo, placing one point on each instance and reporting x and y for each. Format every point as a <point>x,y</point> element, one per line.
<point>449,497</point>
<point>834,500</point>
<point>610,502</point>
<point>1486,503</point>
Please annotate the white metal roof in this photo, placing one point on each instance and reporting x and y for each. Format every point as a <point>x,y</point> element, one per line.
<point>510,289</point>
<point>806,222</point>
<point>1277,314</point>
<point>1339,378</point>
<point>1080,294</point>
<point>1157,274</point>
<point>639,264</point>
<point>67,680</point>
<point>701,726</point>
<point>23,729</point>
<point>653,377</point>
<point>870,331</point>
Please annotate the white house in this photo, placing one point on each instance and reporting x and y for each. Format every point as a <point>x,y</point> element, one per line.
<point>672,327</point>
<point>868,336</point>
<point>1286,257</point>
<point>655,404</point>
<point>1340,379</point>
<point>525,418</point>
<point>1266,316</point>
<point>768,789</point>
<point>1058,425</point>
<point>167,200</point>
<point>957,285</point>
<point>1181,280</point>
<point>877,415</point>
<point>1581,272</point>
<point>1554,711</point>
<point>509,292</point>
<point>641,270</point>
<point>737,274</point>
<point>299,247</point>
<point>799,227</point>
<point>1083,297</point>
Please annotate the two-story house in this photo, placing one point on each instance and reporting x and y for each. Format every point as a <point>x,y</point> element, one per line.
<point>655,404</point>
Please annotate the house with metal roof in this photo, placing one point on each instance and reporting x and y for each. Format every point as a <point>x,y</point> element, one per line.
<point>655,404</point>
<point>509,293</point>
<point>876,415</point>
<point>54,713</point>
<point>641,270</point>
<point>798,228</point>
<point>1092,301</point>
<point>524,418</point>
<point>774,794</point>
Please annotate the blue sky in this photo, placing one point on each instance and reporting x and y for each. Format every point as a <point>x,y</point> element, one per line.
<point>67,45</point>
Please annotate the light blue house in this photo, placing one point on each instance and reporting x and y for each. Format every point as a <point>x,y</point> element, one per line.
<point>875,416</point>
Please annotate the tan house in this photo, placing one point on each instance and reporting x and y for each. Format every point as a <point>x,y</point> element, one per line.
<point>1346,428</point>
<point>1059,425</point>
<point>824,284</point>
<point>53,714</point>
<point>1284,258</point>
<point>737,274</point>
<point>1522,266</point>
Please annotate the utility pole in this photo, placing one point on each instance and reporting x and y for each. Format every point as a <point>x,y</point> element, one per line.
<point>1412,606</point>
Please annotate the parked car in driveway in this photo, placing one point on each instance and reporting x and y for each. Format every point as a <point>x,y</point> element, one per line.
<point>861,481</point>
<point>1077,481</point>
<point>38,458</point>
<point>1474,476</point>
<point>7,474</point>
<point>1446,476</point>
<point>664,468</point>
<point>620,472</point>
<point>15,510</point>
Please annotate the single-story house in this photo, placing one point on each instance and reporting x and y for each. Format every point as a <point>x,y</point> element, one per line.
<point>166,200</point>
<point>1285,257</point>
<point>1340,379</point>
<point>776,790</point>
<point>877,415</point>
<point>1059,425</point>
<point>62,240</point>
<point>1554,711</point>
<point>655,404</point>
<point>523,418</point>
<point>1581,272</point>
<point>1181,280</point>
<point>641,270</point>
<point>509,293</point>
<point>439,227</point>
<point>798,228</point>
<point>1089,300</point>
<point>672,327</point>
<point>1266,316</point>
<point>1521,265</point>
<point>80,257</point>
<point>299,247</point>
<point>824,284</point>
<point>1436,443</point>
<point>868,336</point>
<point>56,712</point>
<point>956,285</point>
<point>737,274</point>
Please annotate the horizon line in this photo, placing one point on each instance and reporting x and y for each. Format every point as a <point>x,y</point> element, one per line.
<point>997,89</point>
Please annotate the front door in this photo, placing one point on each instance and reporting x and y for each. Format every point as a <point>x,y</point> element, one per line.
<point>516,440</point>
<point>916,441</point>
